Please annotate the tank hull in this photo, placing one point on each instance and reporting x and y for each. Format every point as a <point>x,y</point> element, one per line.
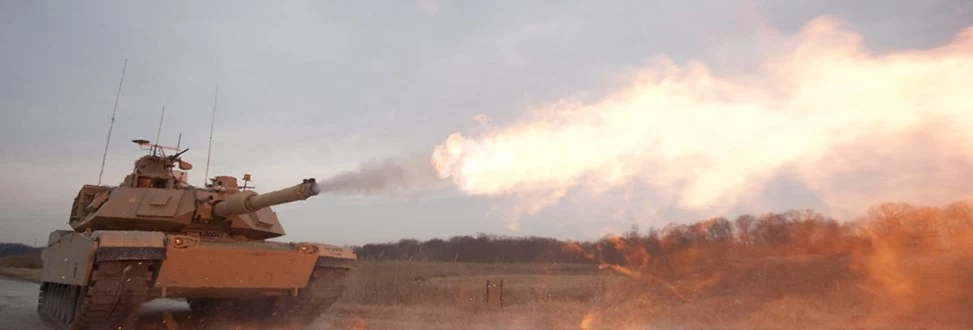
<point>136,266</point>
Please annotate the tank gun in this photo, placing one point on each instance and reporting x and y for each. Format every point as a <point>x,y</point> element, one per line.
<point>248,201</point>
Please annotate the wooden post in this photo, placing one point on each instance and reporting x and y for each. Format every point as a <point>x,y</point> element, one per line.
<point>494,297</point>
<point>501,294</point>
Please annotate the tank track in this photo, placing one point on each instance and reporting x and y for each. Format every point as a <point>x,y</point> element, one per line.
<point>110,301</point>
<point>324,288</point>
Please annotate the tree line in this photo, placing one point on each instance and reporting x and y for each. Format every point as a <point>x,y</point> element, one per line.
<point>901,225</point>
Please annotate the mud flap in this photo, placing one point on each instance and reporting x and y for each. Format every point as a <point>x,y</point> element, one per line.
<point>130,253</point>
<point>130,245</point>
<point>325,261</point>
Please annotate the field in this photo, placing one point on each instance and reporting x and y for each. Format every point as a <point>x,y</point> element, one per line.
<point>803,291</point>
<point>773,292</point>
<point>21,266</point>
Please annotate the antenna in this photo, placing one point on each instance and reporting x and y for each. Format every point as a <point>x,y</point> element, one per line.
<point>158,133</point>
<point>179,142</point>
<point>114,109</point>
<point>212,123</point>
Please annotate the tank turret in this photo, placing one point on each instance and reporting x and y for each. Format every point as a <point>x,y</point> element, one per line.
<point>156,196</point>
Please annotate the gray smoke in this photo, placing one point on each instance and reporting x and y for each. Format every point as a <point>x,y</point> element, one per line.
<point>394,176</point>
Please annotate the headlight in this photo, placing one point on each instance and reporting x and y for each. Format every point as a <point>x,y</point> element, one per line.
<point>309,249</point>
<point>181,242</point>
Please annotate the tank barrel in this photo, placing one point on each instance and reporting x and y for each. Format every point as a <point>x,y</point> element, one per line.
<point>249,201</point>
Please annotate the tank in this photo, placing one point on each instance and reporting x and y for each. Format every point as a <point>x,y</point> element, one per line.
<point>156,236</point>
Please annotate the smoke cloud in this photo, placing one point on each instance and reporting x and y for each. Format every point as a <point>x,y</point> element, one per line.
<point>394,176</point>
<point>856,128</point>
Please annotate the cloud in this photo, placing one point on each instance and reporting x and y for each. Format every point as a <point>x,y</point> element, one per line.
<point>429,6</point>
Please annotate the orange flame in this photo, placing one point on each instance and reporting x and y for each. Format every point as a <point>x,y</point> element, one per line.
<point>899,263</point>
<point>634,255</point>
<point>588,320</point>
<point>704,140</point>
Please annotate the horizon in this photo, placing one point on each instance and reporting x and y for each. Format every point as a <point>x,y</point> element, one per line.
<point>640,230</point>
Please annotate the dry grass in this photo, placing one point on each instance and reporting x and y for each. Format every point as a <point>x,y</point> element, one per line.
<point>435,283</point>
<point>22,261</point>
<point>30,274</point>
<point>926,291</point>
<point>25,267</point>
<point>773,292</point>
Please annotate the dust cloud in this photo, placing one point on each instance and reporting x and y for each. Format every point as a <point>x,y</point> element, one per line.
<point>392,176</point>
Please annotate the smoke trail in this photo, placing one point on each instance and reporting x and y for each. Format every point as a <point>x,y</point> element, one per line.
<point>390,177</point>
<point>846,121</point>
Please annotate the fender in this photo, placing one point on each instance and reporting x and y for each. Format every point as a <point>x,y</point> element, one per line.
<point>334,256</point>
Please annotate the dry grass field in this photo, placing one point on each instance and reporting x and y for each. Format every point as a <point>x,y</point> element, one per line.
<point>772,293</point>
<point>21,261</point>
<point>21,266</point>
<point>30,274</point>
<point>795,292</point>
<point>396,283</point>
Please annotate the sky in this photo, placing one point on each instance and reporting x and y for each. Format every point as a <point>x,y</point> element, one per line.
<point>313,89</point>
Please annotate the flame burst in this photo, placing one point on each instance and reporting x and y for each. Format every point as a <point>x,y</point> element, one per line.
<point>706,141</point>
<point>588,320</point>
